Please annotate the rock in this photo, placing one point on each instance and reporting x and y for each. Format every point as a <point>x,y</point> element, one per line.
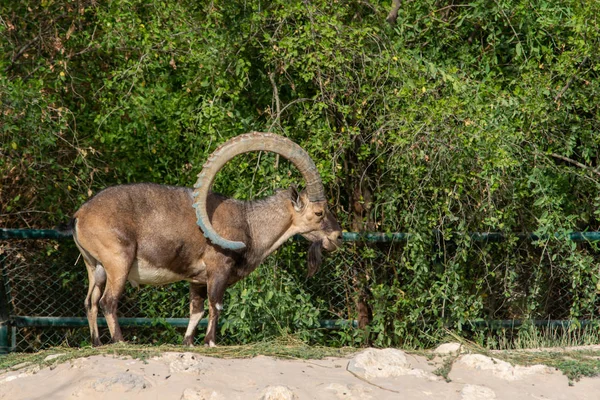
<point>350,392</point>
<point>277,393</point>
<point>126,381</point>
<point>13,377</point>
<point>476,392</point>
<point>80,363</point>
<point>384,363</point>
<point>21,365</point>
<point>22,370</point>
<point>500,369</point>
<point>201,394</point>
<point>184,362</point>
<point>53,356</point>
<point>448,349</point>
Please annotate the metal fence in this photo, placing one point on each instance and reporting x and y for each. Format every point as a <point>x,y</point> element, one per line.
<point>43,283</point>
<point>42,288</point>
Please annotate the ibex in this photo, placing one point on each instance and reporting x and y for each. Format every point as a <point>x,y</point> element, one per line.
<point>148,234</point>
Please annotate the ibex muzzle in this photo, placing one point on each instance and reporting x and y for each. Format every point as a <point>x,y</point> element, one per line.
<point>156,234</point>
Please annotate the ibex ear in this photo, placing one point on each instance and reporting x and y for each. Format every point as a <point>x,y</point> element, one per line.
<point>296,198</point>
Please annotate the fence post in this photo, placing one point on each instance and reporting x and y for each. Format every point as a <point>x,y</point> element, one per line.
<point>4,315</point>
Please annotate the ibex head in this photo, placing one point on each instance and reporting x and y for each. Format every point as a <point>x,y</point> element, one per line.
<point>316,223</point>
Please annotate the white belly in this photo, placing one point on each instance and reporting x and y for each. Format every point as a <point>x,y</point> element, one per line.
<point>143,273</point>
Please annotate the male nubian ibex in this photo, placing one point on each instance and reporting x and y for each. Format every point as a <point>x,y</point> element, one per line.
<point>148,234</point>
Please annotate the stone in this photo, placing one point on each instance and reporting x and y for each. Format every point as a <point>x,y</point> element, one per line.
<point>184,362</point>
<point>277,393</point>
<point>126,381</point>
<point>53,356</point>
<point>21,365</point>
<point>448,349</point>
<point>384,363</point>
<point>350,392</point>
<point>13,377</point>
<point>476,392</point>
<point>500,369</point>
<point>201,394</point>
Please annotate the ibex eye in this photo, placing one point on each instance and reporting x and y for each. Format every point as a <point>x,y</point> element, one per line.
<point>319,213</point>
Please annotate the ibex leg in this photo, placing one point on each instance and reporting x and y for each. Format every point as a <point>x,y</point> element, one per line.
<point>198,294</point>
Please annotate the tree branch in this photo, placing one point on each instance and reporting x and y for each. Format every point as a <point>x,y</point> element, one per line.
<point>576,163</point>
<point>564,89</point>
<point>275,95</point>
<point>393,15</point>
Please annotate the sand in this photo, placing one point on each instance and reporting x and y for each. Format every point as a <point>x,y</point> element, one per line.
<point>370,374</point>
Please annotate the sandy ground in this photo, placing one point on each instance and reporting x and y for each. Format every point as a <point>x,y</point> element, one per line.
<point>371,374</point>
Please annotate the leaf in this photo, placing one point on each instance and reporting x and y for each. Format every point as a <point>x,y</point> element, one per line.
<point>519,49</point>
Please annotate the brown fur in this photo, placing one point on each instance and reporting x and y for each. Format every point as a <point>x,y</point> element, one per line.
<point>149,231</point>
<point>314,258</point>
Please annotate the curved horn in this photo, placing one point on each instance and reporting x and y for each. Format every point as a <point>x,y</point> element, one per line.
<point>254,141</point>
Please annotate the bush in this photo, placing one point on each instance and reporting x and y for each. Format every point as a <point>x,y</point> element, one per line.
<point>463,117</point>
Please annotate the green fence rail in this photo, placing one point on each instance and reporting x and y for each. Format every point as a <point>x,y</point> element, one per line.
<point>374,237</point>
<point>32,234</point>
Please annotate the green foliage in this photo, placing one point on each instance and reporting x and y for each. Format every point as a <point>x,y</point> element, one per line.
<point>463,117</point>
<point>262,307</point>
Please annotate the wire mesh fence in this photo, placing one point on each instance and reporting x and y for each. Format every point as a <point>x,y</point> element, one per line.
<point>47,278</point>
<point>43,279</point>
<point>377,283</point>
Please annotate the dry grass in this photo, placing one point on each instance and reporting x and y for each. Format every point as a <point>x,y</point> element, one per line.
<point>285,347</point>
